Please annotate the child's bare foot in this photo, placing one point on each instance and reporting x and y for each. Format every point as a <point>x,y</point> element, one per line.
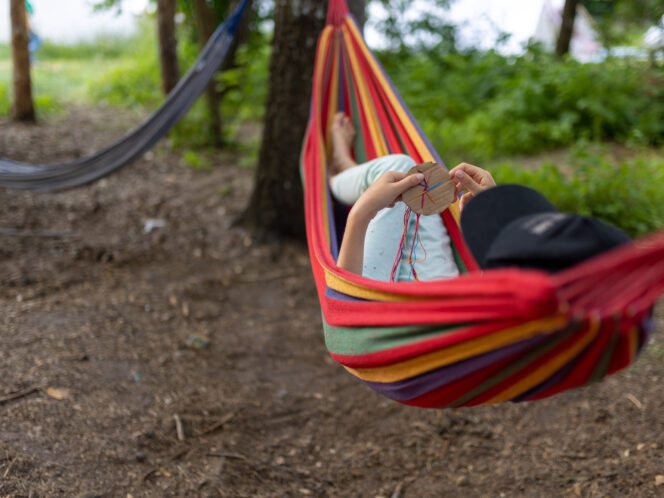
<point>342,135</point>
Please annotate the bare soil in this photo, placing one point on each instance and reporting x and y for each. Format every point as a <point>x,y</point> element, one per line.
<point>188,360</point>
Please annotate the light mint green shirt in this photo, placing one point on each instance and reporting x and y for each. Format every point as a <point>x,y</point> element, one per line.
<point>386,229</point>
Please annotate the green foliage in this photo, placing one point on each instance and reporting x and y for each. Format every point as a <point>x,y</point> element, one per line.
<point>196,161</point>
<point>628,194</point>
<point>225,190</point>
<point>599,8</point>
<point>422,28</point>
<point>477,106</point>
<point>103,47</point>
<point>621,22</point>
<point>46,105</point>
<point>134,81</point>
<point>246,84</point>
<point>5,102</point>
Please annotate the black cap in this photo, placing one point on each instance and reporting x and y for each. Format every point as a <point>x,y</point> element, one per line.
<point>513,225</point>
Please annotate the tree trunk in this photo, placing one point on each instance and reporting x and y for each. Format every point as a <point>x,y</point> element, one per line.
<point>276,205</point>
<point>566,27</point>
<point>170,73</point>
<point>23,109</point>
<point>358,9</point>
<point>205,25</point>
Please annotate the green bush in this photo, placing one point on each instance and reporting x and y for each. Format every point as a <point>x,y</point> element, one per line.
<point>5,102</point>
<point>134,83</point>
<point>45,105</point>
<point>628,194</point>
<point>196,161</point>
<point>477,106</point>
<point>103,47</point>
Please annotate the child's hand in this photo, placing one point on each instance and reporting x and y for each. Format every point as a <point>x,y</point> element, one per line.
<point>472,179</point>
<point>385,192</point>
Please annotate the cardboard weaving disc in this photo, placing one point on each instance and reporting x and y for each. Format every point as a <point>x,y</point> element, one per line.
<point>440,193</point>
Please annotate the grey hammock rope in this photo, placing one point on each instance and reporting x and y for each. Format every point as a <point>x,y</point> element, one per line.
<point>134,144</point>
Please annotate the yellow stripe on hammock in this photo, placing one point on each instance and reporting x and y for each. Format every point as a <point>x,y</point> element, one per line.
<point>340,284</point>
<point>333,280</point>
<point>404,118</point>
<point>320,70</point>
<point>364,100</point>
<point>453,354</point>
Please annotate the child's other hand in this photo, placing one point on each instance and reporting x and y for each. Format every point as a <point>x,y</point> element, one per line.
<point>471,179</point>
<point>385,192</point>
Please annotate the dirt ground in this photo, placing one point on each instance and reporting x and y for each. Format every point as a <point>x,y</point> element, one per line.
<point>187,360</point>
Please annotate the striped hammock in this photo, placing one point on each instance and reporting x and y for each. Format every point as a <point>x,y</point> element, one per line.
<point>484,337</point>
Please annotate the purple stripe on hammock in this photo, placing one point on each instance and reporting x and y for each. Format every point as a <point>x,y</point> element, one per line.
<point>334,243</point>
<point>414,387</point>
<point>645,332</point>
<point>331,293</point>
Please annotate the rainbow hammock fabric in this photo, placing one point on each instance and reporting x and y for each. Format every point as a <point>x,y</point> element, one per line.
<point>484,337</point>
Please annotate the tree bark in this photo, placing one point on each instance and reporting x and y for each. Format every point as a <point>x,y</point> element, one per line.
<point>170,72</point>
<point>22,109</point>
<point>358,9</point>
<point>205,25</point>
<point>276,205</point>
<point>566,27</point>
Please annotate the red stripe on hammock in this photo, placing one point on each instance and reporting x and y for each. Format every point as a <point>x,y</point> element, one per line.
<point>529,369</point>
<point>449,393</point>
<point>582,371</point>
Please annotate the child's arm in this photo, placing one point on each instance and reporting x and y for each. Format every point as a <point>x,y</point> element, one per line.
<point>384,192</point>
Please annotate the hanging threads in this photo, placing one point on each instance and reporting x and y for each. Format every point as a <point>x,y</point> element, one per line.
<point>403,247</point>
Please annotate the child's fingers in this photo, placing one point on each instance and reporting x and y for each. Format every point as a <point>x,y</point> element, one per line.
<point>468,183</point>
<point>409,182</point>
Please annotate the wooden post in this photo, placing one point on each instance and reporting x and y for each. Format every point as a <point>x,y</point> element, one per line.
<point>170,73</point>
<point>22,109</point>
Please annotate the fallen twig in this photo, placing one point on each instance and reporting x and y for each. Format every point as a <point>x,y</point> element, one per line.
<point>9,467</point>
<point>634,400</point>
<point>16,232</point>
<point>18,394</point>
<point>266,277</point>
<point>235,456</point>
<point>180,454</point>
<point>217,425</point>
<point>178,427</point>
<point>147,475</point>
<point>397,490</point>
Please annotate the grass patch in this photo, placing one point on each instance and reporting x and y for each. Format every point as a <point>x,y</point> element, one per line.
<point>67,74</point>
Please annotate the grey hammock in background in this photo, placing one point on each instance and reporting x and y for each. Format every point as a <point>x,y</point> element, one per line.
<point>134,144</point>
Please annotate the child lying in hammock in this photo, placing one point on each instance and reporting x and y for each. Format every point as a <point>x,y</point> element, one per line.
<point>511,225</point>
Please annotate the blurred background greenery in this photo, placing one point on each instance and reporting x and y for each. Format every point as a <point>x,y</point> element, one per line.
<point>590,136</point>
